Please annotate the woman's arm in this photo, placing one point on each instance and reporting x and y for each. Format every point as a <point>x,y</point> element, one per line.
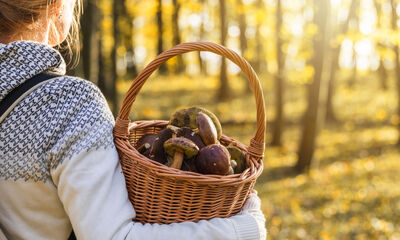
<point>92,189</point>
<point>90,184</point>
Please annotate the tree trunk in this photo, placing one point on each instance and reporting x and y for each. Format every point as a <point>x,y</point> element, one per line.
<point>180,67</point>
<point>381,70</point>
<point>397,63</point>
<point>260,62</point>
<point>102,75</point>
<point>90,51</point>
<point>353,78</point>
<point>243,40</point>
<point>279,81</point>
<point>383,74</point>
<point>310,121</point>
<point>202,64</point>
<point>128,42</point>
<point>330,115</point>
<point>160,48</point>
<point>224,91</point>
<point>113,97</point>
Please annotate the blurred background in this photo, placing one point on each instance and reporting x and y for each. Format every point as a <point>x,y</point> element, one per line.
<point>331,79</point>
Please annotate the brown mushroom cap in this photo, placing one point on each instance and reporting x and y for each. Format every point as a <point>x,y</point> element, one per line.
<point>186,117</point>
<point>145,142</point>
<point>188,133</point>
<point>186,146</point>
<point>207,129</point>
<point>213,159</point>
<point>180,147</point>
<point>239,157</point>
<point>157,151</point>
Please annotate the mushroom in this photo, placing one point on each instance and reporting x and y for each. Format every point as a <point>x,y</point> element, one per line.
<point>230,172</point>
<point>180,147</point>
<point>191,135</point>
<point>189,165</point>
<point>146,153</point>
<point>206,129</point>
<point>213,159</point>
<point>233,163</point>
<point>145,142</point>
<point>157,151</point>
<point>186,117</point>
<point>239,157</point>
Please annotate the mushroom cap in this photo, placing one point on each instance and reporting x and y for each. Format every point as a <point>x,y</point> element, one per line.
<point>157,151</point>
<point>213,159</point>
<point>207,129</point>
<point>189,165</point>
<point>145,142</point>
<point>188,133</point>
<point>239,157</point>
<point>186,117</point>
<point>184,145</point>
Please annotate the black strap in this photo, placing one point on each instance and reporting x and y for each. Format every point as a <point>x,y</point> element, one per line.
<point>72,236</point>
<point>17,92</point>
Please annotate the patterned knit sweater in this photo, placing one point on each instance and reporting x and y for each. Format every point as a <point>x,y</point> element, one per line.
<point>59,168</point>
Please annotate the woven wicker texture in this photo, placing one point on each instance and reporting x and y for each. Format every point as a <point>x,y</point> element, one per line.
<point>161,194</point>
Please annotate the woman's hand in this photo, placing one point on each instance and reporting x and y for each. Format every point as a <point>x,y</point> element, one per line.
<point>252,206</point>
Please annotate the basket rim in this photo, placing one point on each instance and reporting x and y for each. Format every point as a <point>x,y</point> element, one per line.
<point>250,174</point>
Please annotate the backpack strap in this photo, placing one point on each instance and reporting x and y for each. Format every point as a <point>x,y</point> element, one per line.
<point>17,94</point>
<point>2,235</point>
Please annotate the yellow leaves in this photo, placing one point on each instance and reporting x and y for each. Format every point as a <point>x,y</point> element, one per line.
<point>121,50</point>
<point>296,210</point>
<point>381,114</point>
<point>150,113</point>
<point>308,72</point>
<point>395,120</point>
<point>260,15</point>
<point>311,29</point>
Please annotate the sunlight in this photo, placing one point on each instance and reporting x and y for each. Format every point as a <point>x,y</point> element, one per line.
<point>346,54</point>
<point>336,3</point>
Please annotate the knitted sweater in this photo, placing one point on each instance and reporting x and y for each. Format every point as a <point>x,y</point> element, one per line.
<point>59,168</point>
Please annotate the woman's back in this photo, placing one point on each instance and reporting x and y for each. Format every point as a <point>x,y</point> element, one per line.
<point>59,168</point>
<point>57,121</point>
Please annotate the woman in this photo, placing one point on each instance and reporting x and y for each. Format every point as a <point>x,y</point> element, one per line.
<point>59,168</point>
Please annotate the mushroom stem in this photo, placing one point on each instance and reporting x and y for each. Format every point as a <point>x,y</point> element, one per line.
<point>178,159</point>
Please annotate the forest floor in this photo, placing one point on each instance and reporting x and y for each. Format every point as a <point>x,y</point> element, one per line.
<point>352,190</point>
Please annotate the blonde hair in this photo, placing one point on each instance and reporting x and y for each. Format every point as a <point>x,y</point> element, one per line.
<point>17,16</point>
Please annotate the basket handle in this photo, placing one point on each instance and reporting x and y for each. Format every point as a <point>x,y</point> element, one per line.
<point>257,144</point>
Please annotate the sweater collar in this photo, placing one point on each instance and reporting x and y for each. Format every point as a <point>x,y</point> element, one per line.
<point>20,61</point>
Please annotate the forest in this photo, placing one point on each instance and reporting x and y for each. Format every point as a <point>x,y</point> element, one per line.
<point>330,72</point>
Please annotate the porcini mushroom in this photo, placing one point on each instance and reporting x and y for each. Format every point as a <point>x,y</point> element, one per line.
<point>186,117</point>
<point>189,165</point>
<point>213,159</point>
<point>180,147</point>
<point>191,135</point>
<point>239,157</point>
<point>206,129</point>
<point>157,151</point>
<point>145,142</point>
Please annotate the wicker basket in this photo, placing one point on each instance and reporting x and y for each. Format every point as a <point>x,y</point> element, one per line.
<point>161,194</point>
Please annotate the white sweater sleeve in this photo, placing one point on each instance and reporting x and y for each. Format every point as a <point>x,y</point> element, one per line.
<point>90,184</point>
<point>92,189</point>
